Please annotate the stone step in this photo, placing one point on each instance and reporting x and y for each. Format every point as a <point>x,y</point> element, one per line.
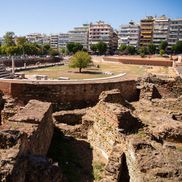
<point>4,73</point>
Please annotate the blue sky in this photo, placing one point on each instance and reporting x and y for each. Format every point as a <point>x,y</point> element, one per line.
<point>54,16</point>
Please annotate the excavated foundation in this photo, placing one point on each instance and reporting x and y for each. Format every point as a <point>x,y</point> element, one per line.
<point>113,141</point>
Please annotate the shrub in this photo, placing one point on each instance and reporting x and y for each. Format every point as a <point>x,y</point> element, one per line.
<point>162,52</point>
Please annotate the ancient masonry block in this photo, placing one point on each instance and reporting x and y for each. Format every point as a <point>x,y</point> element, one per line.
<point>28,133</point>
<point>111,119</point>
<point>1,105</point>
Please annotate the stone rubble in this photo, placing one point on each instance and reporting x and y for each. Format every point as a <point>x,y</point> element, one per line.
<point>141,141</point>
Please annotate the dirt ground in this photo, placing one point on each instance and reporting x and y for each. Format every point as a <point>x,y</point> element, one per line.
<point>132,71</point>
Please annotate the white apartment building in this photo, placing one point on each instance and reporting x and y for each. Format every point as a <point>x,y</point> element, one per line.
<point>160,30</point>
<point>100,31</point>
<point>175,32</point>
<point>63,39</point>
<point>46,39</point>
<point>38,38</point>
<point>129,34</point>
<point>80,35</point>
<point>54,39</point>
<point>35,38</point>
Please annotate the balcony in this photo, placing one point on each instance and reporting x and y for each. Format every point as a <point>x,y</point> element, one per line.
<point>173,29</point>
<point>146,32</point>
<point>160,36</point>
<point>147,27</point>
<point>147,23</point>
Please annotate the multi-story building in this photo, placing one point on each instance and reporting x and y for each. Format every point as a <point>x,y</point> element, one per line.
<point>129,34</point>
<point>101,31</point>
<point>114,41</point>
<point>146,30</point>
<point>46,39</point>
<point>35,38</point>
<point>160,30</point>
<point>175,32</point>
<point>80,35</point>
<point>38,38</point>
<point>54,39</point>
<point>63,39</point>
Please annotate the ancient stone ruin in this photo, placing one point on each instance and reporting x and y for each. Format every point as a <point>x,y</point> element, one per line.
<point>4,73</point>
<point>25,140</point>
<point>113,141</point>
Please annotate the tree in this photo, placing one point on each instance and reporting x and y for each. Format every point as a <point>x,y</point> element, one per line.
<point>143,51</point>
<point>177,48</point>
<point>80,60</point>
<point>101,47</point>
<point>9,39</point>
<point>12,50</point>
<point>3,50</point>
<point>77,47</point>
<point>70,46</point>
<point>122,47</point>
<point>63,51</point>
<point>85,50</point>
<point>173,48</point>
<point>21,41</point>
<point>53,52</point>
<point>93,47</point>
<point>46,46</point>
<point>151,48</point>
<point>73,47</point>
<point>163,45</point>
<point>131,50</point>
<point>31,49</point>
<point>45,49</point>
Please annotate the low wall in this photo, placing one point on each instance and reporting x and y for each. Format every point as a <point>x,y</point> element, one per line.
<point>67,93</point>
<point>139,61</point>
<point>29,61</point>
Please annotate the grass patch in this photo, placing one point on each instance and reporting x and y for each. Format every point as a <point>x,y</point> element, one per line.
<point>179,148</point>
<point>98,170</point>
<point>92,72</point>
<point>132,71</point>
<point>141,134</point>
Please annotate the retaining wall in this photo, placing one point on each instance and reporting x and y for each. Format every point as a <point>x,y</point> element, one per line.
<point>68,93</point>
<point>140,61</point>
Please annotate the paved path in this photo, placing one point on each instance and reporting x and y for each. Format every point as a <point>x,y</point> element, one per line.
<point>113,79</point>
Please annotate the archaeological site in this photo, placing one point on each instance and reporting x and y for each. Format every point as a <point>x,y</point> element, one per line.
<point>107,131</point>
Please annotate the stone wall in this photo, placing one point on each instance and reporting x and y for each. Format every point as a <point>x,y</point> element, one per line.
<point>161,88</point>
<point>67,93</point>
<point>1,105</point>
<point>137,138</point>
<point>140,61</point>
<point>29,61</point>
<point>25,141</point>
<point>111,118</point>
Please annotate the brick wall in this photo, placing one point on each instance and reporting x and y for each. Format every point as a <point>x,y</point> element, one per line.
<point>140,61</point>
<point>67,93</point>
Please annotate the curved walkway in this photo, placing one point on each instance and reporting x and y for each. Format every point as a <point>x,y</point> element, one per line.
<point>114,78</point>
